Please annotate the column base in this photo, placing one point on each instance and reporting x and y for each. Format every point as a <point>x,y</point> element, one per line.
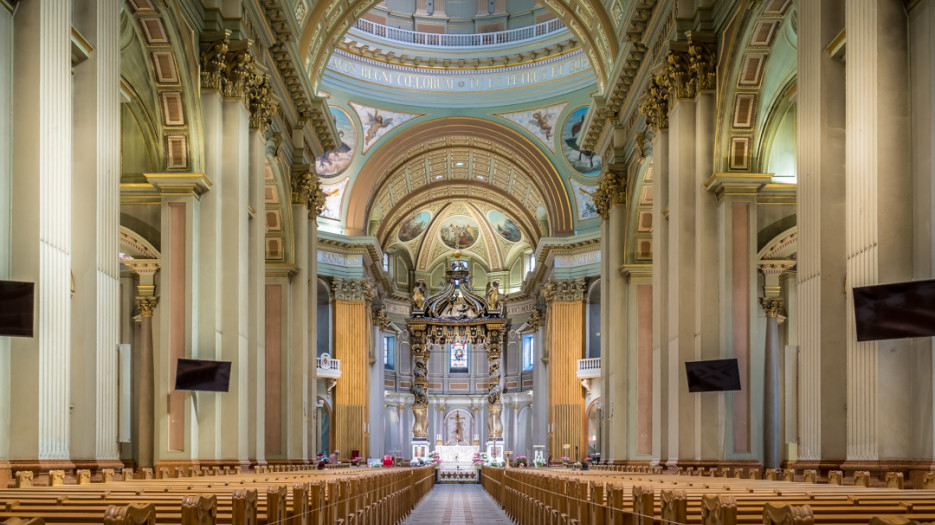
<point>420,449</point>
<point>495,450</point>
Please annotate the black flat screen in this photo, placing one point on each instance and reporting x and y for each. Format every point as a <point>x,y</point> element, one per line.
<point>894,311</point>
<point>716,375</point>
<point>195,374</point>
<point>16,308</point>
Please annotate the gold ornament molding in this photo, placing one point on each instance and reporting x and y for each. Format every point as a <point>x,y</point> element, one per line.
<point>611,189</point>
<point>352,290</point>
<point>772,306</point>
<point>146,304</point>
<point>565,290</point>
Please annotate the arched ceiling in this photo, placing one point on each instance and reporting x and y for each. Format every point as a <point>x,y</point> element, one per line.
<point>588,20</point>
<point>459,158</point>
<point>477,228</point>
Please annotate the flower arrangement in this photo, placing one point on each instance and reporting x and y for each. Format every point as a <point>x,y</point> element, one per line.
<point>589,460</point>
<point>436,459</point>
<point>398,460</point>
<point>479,459</point>
<point>576,466</point>
<point>540,462</point>
<point>356,460</point>
<point>521,460</point>
<point>565,460</point>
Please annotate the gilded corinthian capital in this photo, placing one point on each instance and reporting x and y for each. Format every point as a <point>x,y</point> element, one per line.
<point>146,304</point>
<point>303,183</point>
<point>611,189</point>
<point>655,105</point>
<point>702,63</point>
<point>214,61</point>
<point>352,290</point>
<point>772,306</point>
<point>565,290</point>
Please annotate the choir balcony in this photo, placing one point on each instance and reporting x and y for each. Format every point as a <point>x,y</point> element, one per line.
<point>589,368</point>
<point>328,367</point>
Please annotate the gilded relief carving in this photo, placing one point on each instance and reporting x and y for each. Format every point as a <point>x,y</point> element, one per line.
<point>611,189</point>
<point>352,290</point>
<point>565,290</point>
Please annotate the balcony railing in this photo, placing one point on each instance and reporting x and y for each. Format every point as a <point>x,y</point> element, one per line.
<point>460,40</point>
<point>589,368</point>
<point>329,367</point>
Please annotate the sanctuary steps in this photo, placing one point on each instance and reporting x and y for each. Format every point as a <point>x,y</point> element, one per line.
<point>290,497</point>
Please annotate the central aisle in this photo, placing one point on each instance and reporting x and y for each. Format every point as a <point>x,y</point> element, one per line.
<point>457,504</point>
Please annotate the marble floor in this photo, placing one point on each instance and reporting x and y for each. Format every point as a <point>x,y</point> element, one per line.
<point>457,504</point>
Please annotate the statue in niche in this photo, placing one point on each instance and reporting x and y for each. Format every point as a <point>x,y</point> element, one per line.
<point>418,295</point>
<point>493,295</point>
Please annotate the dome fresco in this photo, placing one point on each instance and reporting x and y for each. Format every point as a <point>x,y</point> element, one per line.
<point>583,161</point>
<point>414,226</point>
<point>333,162</point>
<point>504,226</point>
<point>459,232</point>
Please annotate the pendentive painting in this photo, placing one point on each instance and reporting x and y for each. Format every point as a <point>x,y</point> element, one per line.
<point>331,163</point>
<point>414,226</point>
<point>459,232</point>
<point>504,226</point>
<point>584,162</point>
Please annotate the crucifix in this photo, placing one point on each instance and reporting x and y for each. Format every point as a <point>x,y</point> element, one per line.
<point>458,428</point>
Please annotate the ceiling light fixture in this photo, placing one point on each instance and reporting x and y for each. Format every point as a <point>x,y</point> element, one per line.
<point>437,177</point>
<point>459,164</point>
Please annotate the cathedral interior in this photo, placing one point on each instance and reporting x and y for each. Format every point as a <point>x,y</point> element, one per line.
<point>391,228</point>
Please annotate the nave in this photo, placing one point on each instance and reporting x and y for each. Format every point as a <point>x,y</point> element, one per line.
<point>457,504</point>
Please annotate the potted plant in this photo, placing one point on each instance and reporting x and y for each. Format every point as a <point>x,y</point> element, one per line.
<point>540,462</point>
<point>436,460</point>
<point>565,460</point>
<point>398,460</point>
<point>521,461</point>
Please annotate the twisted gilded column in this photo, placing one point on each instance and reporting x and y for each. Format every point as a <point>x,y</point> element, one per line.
<point>420,384</point>
<point>494,405</point>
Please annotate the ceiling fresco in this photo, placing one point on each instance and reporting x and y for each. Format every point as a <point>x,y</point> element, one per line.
<point>477,229</point>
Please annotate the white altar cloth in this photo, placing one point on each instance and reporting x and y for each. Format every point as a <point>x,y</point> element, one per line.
<point>456,463</point>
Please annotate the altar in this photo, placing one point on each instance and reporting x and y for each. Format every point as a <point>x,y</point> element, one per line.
<point>456,463</point>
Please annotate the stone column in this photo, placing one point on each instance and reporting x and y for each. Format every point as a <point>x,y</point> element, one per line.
<point>352,346</point>
<point>296,349</point>
<point>679,344</point>
<point>540,381</point>
<point>610,200</point>
<point>176,431</point>
<point>566,322</point>
<point>772,304</point>
<point>256,298</point>
<point>821,257</point>
<point>709,433</point>
<point>6,226</point>
<point>656,109</point>
<point>737,206</point>
<point>96,203</point>
<point>41,244</point>
<point>877,216</point>
<point>144,380</point>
